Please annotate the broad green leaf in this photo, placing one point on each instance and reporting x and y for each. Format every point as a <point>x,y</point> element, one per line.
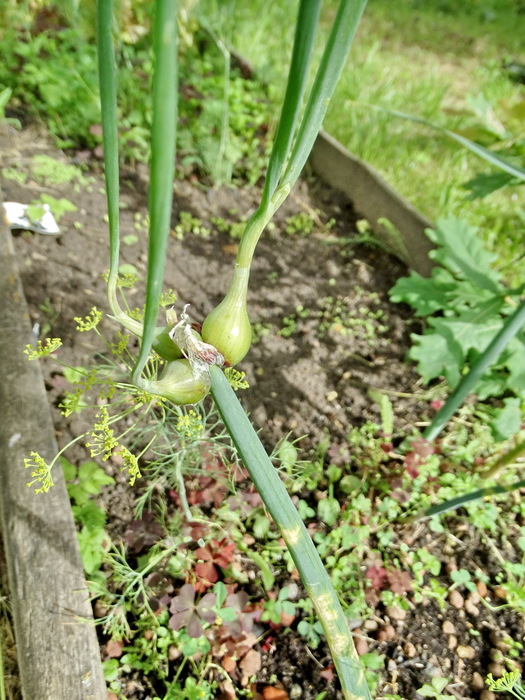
<point>70,471</point>
<point>461,251</point>
<point>93,477</point>
<point>468,295</point>
<point>471,330</point>
<point>486,183</point>
<point>90,515</point>
<point>508,419</point>
<point>515,363</point>
<point>425,295</point>
<point>493,383</point>
<point>437,356</point>
<point>220,593</point>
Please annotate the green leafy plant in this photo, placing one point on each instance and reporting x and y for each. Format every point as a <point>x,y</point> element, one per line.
<point>84,483</point>
<point>466,305</point>
<point>274,610</point>
<point>434,689</point>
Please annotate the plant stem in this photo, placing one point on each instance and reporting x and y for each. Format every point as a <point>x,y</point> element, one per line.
<point>460,501</point>
<point>511,327</point>
<point>306,558</point>
<point>108,102</point>
<point>256,225</point>
<point>163,131</point>
<point>505,460</point>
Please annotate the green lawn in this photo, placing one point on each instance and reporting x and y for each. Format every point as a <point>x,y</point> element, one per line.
<point>433,61</point>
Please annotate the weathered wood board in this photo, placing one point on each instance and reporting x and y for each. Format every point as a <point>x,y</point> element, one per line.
<point>57,647</point>
<point>372,197</point>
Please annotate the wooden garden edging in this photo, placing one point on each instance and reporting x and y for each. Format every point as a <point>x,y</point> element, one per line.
<point>373,197</point>
<point>57,648</point>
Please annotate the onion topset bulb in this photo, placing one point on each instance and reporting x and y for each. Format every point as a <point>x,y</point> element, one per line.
<point>228,327</point>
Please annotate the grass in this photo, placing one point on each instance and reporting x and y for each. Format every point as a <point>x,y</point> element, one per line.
<point>426,60</point>
<point>423,58</point>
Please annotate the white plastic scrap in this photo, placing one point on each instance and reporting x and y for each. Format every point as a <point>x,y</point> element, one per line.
<point>17,217</point>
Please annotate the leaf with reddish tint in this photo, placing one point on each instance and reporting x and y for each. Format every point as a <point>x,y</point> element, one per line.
<point>328,673</point>
<point>251,663</point>
<point>412,463</point>
<point>267,645</point>
<point>204,607</point>
<point>339,455</point>
<point>224,556</point>
<point>237,601</point>
<point>399,581</point>
<point>377,575</point>
<point>422,447</point>
<point>186,614</point>
<point>206,574</point>
<point>197,531</point>
<point>114,648</point>
<point>182,607</point>
<point>143,533</point>
<point>219,552</point>
<point>229,664</point>
<point>194,627</point>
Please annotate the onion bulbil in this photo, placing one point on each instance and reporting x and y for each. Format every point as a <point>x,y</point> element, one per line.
<point>178,384</point>
<point>228,327</point>
<point>164,345</point>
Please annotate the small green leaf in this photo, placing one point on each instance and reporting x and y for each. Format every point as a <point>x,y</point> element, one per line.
<point>70,471</point>
<point>128,269</point>
<point>261,526</point>
<point>461,576</point>
<point>350,484</point>
<point>507,420</point>
<point>305,511</point>
<point>111,668</point>
<point>220,594</point>
<point>328,510</point>
<point>228,614</point>
<point>373,661</point>
<point>74,375</point>
<point>89,515</point>
<point>93,546</point>
<point>287,453</point>
<point>93,477</point>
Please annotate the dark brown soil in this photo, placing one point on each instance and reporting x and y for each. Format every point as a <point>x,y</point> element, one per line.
<point>312,384</point>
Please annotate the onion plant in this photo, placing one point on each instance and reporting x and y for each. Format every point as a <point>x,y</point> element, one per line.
<point>193,363</point>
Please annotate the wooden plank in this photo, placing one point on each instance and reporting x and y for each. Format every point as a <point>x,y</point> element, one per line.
<point>373,198</point>
<point>57,647</point>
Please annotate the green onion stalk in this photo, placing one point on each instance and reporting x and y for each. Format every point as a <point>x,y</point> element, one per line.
<point>299,543</point>
<point>226,332</point>
<point>227,326</point>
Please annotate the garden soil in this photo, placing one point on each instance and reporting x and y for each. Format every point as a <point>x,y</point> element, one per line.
<point>326,334</point>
